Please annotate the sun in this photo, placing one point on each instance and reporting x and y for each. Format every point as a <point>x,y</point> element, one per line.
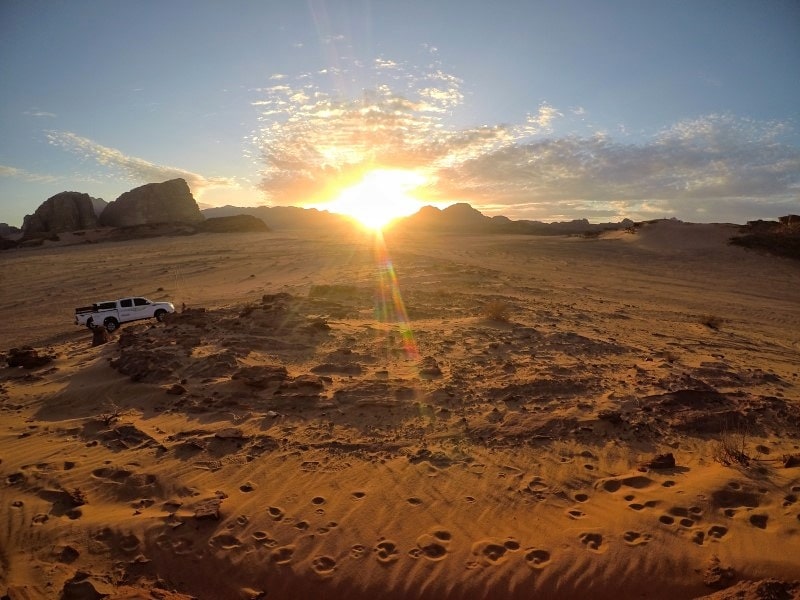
<point>380,197</point>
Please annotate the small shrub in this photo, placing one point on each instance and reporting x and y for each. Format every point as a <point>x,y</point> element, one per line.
<point>497,310</point>
<point>731,449</point>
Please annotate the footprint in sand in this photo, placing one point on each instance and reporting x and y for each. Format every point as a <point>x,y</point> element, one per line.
<point>637,482</point>
<point>129,543</point>
<point>262,537</point>
<point>413,501</point>
<point>358,551</point>
<point>282,555</point>
<point>275,512</point>
<point>317,500</point>
<point>576,514</point>
<point>581,497</point>
<point>634,538</point>
<point>433,545</point>
<point>666,519</point>
<point>494,552</point>
<point>537,558</point>
<point>717,532</point>
<point>537,488</point>
<point>593,541</point>
<point>112,474</point>
<point>789,500</point>
<point>178,546</point>
<point>358,495</point>
<point>759,521</point>
<point>323,565</point>
<point>246,488</point>
<point>225,541</point>
<point>386,552</point>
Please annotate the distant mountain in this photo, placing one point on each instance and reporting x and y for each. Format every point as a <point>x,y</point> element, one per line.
<point>456,218</point>
<point>463,218</point>
<point>282,217</point>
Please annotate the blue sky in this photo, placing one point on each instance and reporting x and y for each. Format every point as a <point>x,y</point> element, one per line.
<point>543,110</point>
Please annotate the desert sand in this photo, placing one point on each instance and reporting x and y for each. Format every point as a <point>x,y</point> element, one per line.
<point>440,417</point>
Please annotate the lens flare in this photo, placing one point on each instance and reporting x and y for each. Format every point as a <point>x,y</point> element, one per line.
<point>389,305</point>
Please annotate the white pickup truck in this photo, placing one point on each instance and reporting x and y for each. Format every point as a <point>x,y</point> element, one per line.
<point>112,313</point>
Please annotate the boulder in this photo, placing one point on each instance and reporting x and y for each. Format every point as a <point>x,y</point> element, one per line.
<point>167,202</point>
<point>27,358</point>
<point>67,211</point>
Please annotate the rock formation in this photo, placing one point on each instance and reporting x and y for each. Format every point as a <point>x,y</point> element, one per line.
<point>167,202</point>
<point>233,224</point>
<point>67,211</point>
<point>7,230</point>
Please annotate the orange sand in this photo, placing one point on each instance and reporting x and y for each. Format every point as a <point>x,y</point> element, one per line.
<point>480,458</point>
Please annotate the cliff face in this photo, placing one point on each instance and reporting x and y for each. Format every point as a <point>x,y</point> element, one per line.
<point>67,211</point>
<point>168,202</point>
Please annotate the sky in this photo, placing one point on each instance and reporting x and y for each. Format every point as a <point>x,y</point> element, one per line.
<point>544,110</point>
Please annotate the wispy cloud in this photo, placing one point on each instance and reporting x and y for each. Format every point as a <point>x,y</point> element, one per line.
<point>23,175</point>
<point>316,135</point>
<point>35,112</point>
<point>131,167</point>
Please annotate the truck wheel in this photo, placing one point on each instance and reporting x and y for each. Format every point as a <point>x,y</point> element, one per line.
<point>90,324</point>
<point>111,324</point>
<point>160,314</point>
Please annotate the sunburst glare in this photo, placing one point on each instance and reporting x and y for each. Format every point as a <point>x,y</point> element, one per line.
<point>380,197</point>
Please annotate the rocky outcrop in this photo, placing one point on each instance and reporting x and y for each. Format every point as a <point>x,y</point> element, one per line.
<point>67,211</point>
<point>7,231</point>
<point>167,202</point>
<point>232,224</point>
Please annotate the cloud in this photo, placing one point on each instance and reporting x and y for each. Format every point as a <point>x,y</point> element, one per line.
<point>316,136</point>
<point>131,167</point>
<point>35,112</point>
<point>701,166</point>
<point>22,174</point>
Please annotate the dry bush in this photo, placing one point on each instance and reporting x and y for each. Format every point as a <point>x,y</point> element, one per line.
<point>712,321</point>
<point>731,449</point>
<point>497,310</point>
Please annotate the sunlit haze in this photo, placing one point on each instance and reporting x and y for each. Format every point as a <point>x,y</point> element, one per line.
<point>381,196</point>
<point>536,110</point>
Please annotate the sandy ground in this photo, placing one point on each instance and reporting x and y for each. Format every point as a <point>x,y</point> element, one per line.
<point>442,417</point>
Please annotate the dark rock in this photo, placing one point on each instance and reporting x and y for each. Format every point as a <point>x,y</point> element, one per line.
<point>7,230</point>
<point>27,358</point>
<point>208,509</point>
<point>167,202</point>
<point>67,211</point>
<point>176,389</point>
<point>716,576</point>
<point>662,461</point>
<point>80,587</point>
<point>792,460</point>
<point>429,368</point>
<point>100,336</point>
<point>261,376</point>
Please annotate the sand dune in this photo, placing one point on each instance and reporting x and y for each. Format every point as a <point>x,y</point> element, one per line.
<point>540,417</point>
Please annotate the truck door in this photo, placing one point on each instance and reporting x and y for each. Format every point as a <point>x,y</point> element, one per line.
<point>126,310</point>
<point>141,308</point>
